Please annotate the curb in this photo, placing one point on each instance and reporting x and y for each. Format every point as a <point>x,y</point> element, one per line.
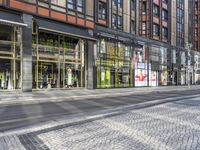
<point>82,97</point>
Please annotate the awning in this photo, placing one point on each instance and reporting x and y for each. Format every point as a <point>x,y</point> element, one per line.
<point>11,19</point>
<point>63,29</point>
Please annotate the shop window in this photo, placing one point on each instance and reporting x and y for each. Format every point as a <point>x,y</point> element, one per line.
<point>59,62</point>
<point>174,56</point>
<point>183,58</point>
<point>110,49</point>
<point>103,46</point>
<point>102,9</point>
<point>127,51</point>
<point>154,54</point>
<point>114,70</point>
<point>163,55</point>
<point>10,57</point>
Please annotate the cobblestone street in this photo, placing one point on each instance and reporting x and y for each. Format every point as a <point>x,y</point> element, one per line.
<point>174,126</point>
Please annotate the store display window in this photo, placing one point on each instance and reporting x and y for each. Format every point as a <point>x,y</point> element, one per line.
<point>114,66</point>
<point>10,57</point>
<point>59,62</point>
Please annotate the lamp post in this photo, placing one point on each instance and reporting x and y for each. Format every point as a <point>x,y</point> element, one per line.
<point>188,47</point>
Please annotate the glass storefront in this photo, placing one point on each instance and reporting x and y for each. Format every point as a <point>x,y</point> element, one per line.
<point>153,78</point>
<point>159,72</point>
<point>58,61</point>
<point>10,57</point>
<point>140,67</point>
<point>114,64</point>
<point>163,76</point>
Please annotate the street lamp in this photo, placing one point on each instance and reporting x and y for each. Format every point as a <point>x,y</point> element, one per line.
<point>188,47</point>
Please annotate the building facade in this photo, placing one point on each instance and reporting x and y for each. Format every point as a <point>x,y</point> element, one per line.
<point>195,35</point>
<point>53,44</point>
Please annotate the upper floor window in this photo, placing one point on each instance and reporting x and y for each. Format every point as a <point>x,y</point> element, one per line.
<point>180,3</point>
<point>117,3</point>
<point>133,27</point>
<point>114,21</point>
<point>144,28</point>
<point>71,4</point>
<point>165,33</point>
<point>165,1</point>
<point>156,30</point>
<point>195,19</point>
<point>164,15</point>
<point>119,22</point>
<point>156,10</point>
<point>59,2</point>
<point>132,5</point>
<point>76,5</point>
<point>79,5</point>
<point>196,6</point>
<point>102,10</point>
<point>31,1</point>
<point>195,32</point>
<point>144,7</point>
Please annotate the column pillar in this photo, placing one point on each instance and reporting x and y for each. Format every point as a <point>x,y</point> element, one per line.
<point>27,54</point>
<point>91,67</point>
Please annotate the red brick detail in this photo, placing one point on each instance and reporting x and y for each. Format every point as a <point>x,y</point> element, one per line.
<point>156,20</point>
<point>1,1</point>
<point>58,15</point>
<point>90,24</point>
<point>104,22</point>
<point>71,19</point>
<point>144,18</point>
<point>43,11</point>
<point>81,22</point>
<point>23,6</point>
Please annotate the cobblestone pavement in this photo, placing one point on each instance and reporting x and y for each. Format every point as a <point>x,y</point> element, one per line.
<point>171,126</point>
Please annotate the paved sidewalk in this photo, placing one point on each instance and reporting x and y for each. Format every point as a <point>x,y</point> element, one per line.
<point>40,96</point>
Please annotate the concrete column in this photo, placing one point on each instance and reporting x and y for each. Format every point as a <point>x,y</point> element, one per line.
<point>27,54</point>
<point>91,67</point>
